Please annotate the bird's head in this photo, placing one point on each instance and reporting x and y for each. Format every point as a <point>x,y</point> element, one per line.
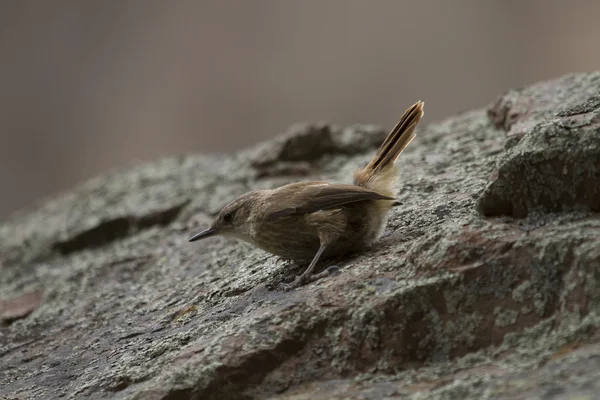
<point>232,220</point>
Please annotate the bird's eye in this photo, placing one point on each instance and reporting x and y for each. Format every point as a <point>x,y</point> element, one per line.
<point>227,218</point>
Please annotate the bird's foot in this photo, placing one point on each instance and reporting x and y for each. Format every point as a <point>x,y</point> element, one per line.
<point>333,270</point>
<point>282,260</point>
<point>302,280</point>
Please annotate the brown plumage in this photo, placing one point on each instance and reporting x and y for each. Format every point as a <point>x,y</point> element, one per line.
<point>307,220</point>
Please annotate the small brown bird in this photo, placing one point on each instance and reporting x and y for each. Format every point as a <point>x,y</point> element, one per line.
<point>304,221</point>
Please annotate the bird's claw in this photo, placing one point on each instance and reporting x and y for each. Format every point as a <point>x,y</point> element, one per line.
<point>302,280</point>
<point>333,270</point>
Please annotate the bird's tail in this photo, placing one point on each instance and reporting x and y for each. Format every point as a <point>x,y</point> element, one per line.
<point>379,174</point>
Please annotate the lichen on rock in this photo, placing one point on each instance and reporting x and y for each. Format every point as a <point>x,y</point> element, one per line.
<point>486,283</point>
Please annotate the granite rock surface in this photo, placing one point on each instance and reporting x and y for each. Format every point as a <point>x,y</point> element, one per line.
<point>486,283</point>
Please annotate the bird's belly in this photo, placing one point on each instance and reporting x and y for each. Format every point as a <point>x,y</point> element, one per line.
<point>289,238</point>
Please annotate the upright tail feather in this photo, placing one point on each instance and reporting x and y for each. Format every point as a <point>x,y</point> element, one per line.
<point>379,172</point>
<point>398,139</point>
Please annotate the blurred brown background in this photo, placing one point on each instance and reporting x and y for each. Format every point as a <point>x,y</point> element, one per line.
<point>90,85</point>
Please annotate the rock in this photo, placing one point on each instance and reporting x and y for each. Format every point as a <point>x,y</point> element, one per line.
<point>486,283</point>
<point>19,307</point>
<point>553,157</point>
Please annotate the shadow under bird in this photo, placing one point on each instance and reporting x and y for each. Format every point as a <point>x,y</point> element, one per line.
<point>307,220</point>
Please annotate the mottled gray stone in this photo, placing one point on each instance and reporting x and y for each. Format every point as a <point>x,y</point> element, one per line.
<point>486,283</point>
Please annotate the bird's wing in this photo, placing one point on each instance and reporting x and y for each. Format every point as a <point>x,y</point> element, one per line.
<point>308,197</point>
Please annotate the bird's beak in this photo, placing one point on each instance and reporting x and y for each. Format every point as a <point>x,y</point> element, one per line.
<point>204,234</point>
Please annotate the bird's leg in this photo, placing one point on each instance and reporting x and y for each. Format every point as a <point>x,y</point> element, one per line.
<point>311,267</point>
<point>307,274</point>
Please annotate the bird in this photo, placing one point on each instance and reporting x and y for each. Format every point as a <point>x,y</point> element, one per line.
<point>306,221</point>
